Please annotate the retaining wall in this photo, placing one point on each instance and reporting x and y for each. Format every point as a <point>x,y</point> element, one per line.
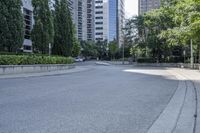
<point>18,69</point>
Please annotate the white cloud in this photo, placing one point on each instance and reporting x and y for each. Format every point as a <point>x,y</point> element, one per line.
<point>131,8</point>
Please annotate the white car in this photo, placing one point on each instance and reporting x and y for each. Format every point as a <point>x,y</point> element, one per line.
<point>77,59</point>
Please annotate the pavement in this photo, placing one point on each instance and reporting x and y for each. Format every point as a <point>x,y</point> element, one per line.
<point>101,99</point>
<point>193,76</point>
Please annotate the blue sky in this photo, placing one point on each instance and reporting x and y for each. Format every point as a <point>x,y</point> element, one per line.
<point>131,8</point>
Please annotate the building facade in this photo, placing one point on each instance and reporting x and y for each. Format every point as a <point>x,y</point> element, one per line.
<point>109,20</point>
<point>120,22</point>
<point>27,11</point>
<point>101,16</point>
<point>148,5</point>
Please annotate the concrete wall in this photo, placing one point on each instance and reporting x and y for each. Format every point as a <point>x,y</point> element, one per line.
<point>18,69</point>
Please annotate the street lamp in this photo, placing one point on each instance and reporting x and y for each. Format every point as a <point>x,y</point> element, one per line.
<point>192,56</point>
<point>123,53</point>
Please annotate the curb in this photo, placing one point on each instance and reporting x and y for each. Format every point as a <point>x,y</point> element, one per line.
<point>41,74</point>
<point>102,63</point>
<point>178,116</point>
<point>168,118</point>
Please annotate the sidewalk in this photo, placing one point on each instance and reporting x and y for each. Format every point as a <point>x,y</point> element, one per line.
<point>60,72</point>
<point>179,115</point>
<point>194,75</point>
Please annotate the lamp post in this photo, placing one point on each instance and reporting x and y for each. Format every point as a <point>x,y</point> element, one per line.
<point>192,56</point>
<point>123,53</point>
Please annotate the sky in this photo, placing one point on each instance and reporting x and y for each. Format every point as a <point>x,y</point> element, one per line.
<point>131,8</point>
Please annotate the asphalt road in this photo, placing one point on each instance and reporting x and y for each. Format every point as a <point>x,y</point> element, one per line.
<point>105,99</point>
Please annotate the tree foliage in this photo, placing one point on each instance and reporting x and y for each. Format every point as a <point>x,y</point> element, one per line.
<point>11,25</point>
<point>113,48</point>
<point>164,32</point>
<point>64,34</point>
<point>76,50</point>
<point>43,31</point>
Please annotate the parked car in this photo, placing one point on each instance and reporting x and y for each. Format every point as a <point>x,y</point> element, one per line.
<point>78,59</point>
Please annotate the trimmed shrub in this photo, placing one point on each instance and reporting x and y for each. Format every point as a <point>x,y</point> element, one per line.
<point>32,59</point>
<point>146,60</point>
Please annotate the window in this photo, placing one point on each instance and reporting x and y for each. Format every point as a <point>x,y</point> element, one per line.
<point>99,23</point>
<point>99,17</point>
<point>99,28</point>
<point>99,33</point>
<point>99,12</point>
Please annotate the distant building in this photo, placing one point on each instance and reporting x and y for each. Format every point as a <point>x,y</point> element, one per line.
<point>83,16</point>
<point>109,20</point>
<point>148,5</point>
<point>101,17</point>
<point>27,11</point>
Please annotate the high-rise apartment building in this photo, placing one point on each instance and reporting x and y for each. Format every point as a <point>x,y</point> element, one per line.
<point>101,17</point>
<point>120,22</point>
<point>148,5</point>
<point>109,20</point>
<point>83,18</point>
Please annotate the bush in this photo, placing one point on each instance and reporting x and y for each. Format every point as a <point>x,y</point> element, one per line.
<point>146,60</point>
<point>33,59</point>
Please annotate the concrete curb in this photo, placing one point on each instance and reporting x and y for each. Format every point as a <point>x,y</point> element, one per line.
<point>20,69</point>
<point>52,73</point>
<point>186,122</point>
<point>178,116</point>
<point>168,118</point>
<point>102,63</point>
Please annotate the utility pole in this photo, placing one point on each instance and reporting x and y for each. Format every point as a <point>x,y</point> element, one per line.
<point>192,56</point>
<point>123,53</point>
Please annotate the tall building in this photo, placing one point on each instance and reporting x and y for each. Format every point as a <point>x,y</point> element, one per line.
<point>120,22</point>
<point>83,16</point>
<point>77,17</point>
<point>27,11</point>
<point>147,5</point>
<point>101,16</point>
<point>109,20</point>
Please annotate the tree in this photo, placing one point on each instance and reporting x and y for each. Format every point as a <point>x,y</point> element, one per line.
<point>113,49</point>
<point>90,49</point>
<point>76,50</point>
<point>64,35</point>
<point>11,25</point>
<point>187,18</point>
<point>43,31</point>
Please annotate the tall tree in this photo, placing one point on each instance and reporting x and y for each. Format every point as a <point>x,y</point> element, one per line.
<point>43,31</point>
<point>113,48</point>
<point>64,35</point>
<point>11,25</point>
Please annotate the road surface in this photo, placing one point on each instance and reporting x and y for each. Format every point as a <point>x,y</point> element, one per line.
<point>103,99</point>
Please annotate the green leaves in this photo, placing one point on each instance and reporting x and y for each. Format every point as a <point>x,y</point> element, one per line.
<point>113,48</point>
<point>11,25</point>
<point>76,50</point>
<point>64,32</point>
<point>32,59</point>
<point>43,30</point>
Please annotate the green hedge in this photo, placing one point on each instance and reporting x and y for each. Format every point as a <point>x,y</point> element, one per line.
<point>32,59</point>
<point>146,60</point>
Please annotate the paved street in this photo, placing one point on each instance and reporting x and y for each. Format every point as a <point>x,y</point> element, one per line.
<point>103,99</point>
